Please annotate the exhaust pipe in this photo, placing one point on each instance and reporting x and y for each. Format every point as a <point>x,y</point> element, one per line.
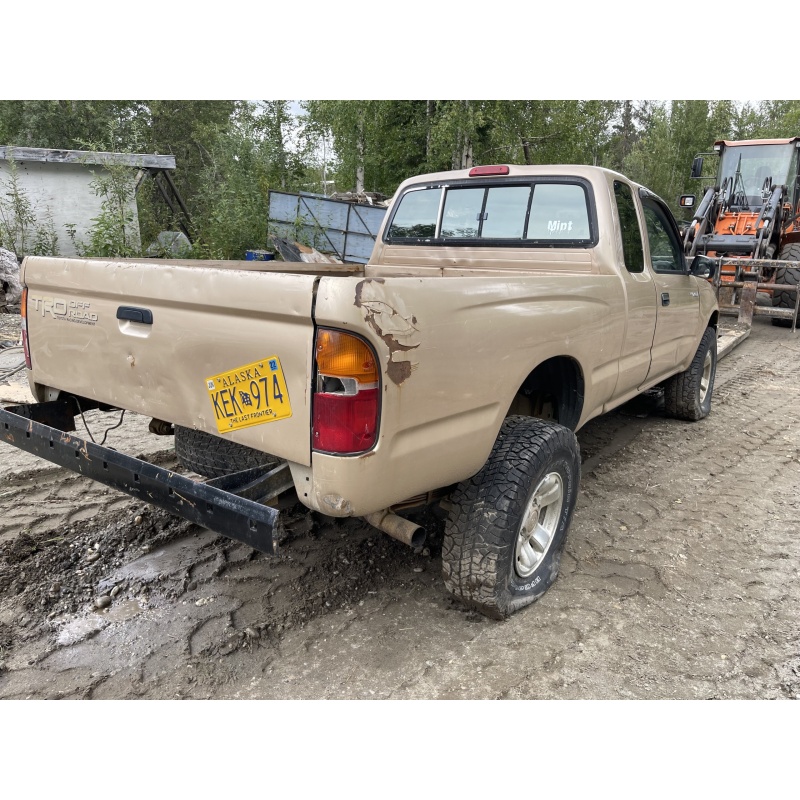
<point>398,528</point>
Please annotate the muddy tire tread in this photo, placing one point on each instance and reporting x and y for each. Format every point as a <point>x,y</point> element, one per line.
<point>212,456</point>
<point>481,524</point>
<point>681,391</point>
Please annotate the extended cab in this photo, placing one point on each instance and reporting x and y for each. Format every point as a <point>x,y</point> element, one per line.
<point>502,308</point>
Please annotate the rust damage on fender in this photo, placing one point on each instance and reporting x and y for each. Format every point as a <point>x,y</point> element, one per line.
<point>396,327</point>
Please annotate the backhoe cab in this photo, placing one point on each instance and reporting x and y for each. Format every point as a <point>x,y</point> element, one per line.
<point>751,208</point>
<point>749,218</point>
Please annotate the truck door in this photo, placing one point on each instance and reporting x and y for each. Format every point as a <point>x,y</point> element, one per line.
<point>677,294</point>
<point>640,293</point>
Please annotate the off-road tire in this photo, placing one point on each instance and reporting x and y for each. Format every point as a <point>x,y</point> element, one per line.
<point>685,395</point>
<point>783,299</point>
<point>213,456</point>
<point>480,547</point>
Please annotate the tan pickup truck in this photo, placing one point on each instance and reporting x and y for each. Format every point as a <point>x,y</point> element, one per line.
<point>502,308</point>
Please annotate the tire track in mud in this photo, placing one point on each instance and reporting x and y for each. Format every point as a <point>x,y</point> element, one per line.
<point>740,465</point>
<point>39,500</point>
<point>679,580</point>
<point>228,599</point>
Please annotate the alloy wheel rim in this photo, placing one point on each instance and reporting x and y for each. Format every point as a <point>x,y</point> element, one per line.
<point>705,378</point>
<point>539,524</point>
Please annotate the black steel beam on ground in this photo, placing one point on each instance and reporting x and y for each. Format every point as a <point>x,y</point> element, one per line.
<point>257,483</point>
<point>220,511</point>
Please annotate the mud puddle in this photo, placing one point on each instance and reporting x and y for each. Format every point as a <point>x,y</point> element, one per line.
<point>679,578</point>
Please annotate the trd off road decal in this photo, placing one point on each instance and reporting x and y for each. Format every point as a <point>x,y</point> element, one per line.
<point>64,310</point>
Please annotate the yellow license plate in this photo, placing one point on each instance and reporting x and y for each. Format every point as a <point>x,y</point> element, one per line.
<point>250,395</point>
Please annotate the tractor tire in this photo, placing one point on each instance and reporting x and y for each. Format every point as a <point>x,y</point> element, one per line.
<point>791,252</point>
<point>687,395</point>
<point>212,456</point>
<point>508,523</point>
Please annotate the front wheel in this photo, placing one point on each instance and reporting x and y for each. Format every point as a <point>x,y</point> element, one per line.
<point>508,523</point>
<point>687,395</point>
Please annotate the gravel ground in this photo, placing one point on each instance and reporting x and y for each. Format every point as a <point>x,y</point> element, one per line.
<point>679,578</point>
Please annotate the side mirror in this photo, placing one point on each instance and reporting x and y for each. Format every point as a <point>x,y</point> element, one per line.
<point>697,167</point>
<point>687,201</point>
<point>703,267</point>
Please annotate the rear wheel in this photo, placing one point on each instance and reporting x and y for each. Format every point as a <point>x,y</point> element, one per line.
<point>783,276</point>
<point>508,523</point>
<point>213,456</point>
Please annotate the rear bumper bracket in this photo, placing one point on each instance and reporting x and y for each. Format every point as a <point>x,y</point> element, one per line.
<point>218,510</point>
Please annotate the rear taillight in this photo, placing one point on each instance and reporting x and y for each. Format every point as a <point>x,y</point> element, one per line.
<point>347,394</point>
<point>23,311</point>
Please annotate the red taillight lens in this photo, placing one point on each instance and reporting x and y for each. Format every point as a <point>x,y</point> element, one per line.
<point>345,424</point>
<point>23,311</point>
<point>347,396</point>
<point>489,169</point>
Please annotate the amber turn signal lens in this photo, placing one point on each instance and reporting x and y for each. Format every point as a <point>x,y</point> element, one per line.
<point>345,417</point>
<point>344,356</point>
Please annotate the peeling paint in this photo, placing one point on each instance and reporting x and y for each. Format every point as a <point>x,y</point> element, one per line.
<point>337,503</point>
<point>395,325</point>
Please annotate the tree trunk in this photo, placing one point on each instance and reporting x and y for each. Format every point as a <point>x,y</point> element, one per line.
<point>466,153</point>
<point>466,150</point>
<point>429,121</point>
<point>360,146</point>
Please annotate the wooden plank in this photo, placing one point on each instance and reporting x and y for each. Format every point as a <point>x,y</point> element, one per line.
<point>747,303</point>
<point>89,157</point>
<point>730,338</point>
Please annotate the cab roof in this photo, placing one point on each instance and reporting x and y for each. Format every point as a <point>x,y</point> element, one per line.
<point>742,142</point>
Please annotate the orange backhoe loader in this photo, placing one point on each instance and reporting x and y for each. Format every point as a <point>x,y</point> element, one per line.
<point>750,219</point>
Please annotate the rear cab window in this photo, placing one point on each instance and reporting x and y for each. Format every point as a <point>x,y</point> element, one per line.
<point>538,212</point>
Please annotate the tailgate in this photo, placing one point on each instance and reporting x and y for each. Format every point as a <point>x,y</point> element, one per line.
<point>224,350</point>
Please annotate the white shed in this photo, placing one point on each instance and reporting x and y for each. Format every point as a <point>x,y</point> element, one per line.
<point>58,186</point>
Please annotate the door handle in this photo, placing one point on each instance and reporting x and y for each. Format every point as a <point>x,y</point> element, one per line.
<point>143,315</point>
<point>664,298</point>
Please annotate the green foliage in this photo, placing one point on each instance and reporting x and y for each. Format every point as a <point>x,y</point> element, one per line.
<point>65,124</point>
<point>372,145</point>
<point>671,136</point>
<point>230,153</point>
<point>21,231</point>
<point>377,144</point>
<point>245,160</point>
<point>114,231</point>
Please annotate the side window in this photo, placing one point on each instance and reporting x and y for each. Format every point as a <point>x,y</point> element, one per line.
<point>666,253</point>
<point>632,250</point>
<point>792,184</point>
